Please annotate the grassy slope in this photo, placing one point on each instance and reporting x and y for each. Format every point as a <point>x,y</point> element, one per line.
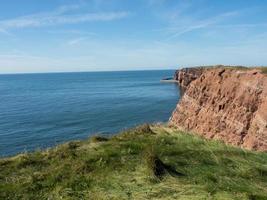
<point>137,164</point>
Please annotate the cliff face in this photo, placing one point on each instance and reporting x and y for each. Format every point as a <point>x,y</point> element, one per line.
<point>224,103</point>
<point>187,75</point>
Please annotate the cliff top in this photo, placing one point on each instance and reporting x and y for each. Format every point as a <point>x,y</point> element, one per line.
<point>262,69</point>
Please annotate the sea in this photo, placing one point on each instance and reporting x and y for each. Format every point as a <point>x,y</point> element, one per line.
<point>39,111</point>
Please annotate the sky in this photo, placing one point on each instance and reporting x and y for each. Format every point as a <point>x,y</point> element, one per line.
<point>106,35</point>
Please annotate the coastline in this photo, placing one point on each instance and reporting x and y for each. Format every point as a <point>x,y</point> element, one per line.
<point>151,161</point>
<point>169,81</point>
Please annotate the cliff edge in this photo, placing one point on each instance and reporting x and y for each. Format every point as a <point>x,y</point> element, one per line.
<point>225,103</point>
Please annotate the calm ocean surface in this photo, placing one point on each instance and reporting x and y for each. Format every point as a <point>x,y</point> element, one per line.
<point>41,110</point>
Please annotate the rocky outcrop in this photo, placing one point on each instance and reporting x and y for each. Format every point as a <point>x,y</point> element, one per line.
<point>186,75</point>
<point>224,103</point>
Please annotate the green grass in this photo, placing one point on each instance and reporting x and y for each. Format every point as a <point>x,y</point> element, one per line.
<point>141,163</point>
<point>263,69</point>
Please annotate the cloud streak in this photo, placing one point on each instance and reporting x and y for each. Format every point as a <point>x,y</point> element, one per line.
<point>76,41</point>
<point>60,16</point>
<point>200,24</point>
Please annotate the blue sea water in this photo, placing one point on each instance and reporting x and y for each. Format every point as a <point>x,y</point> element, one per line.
<point>41,110</point>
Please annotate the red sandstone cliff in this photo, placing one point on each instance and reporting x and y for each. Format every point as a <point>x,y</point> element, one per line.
<point>186,75</point>
<point>224,103</point>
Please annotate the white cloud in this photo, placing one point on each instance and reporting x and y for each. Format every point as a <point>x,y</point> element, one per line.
<point>60,16</point>
<point>96,56</point>
<point>76,41</point>
<point>188,26</point>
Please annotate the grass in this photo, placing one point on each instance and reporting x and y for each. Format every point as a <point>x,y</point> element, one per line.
<point>147,162</point>
<point>263,69</point>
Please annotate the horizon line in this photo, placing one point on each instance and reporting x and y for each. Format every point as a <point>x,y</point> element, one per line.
<point>95,71</point>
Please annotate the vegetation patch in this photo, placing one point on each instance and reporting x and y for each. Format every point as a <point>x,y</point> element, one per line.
<point>147,162</point>
<point>262,69</point>
<point>98,138</point>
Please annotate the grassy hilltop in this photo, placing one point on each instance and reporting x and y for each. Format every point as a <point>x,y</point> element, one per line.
<point>148,162</point>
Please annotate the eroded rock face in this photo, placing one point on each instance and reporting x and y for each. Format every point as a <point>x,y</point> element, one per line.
<point>225,104</point>
<point>186,75</point>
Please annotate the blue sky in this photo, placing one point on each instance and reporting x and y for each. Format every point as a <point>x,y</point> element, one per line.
<point>100,35</point>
